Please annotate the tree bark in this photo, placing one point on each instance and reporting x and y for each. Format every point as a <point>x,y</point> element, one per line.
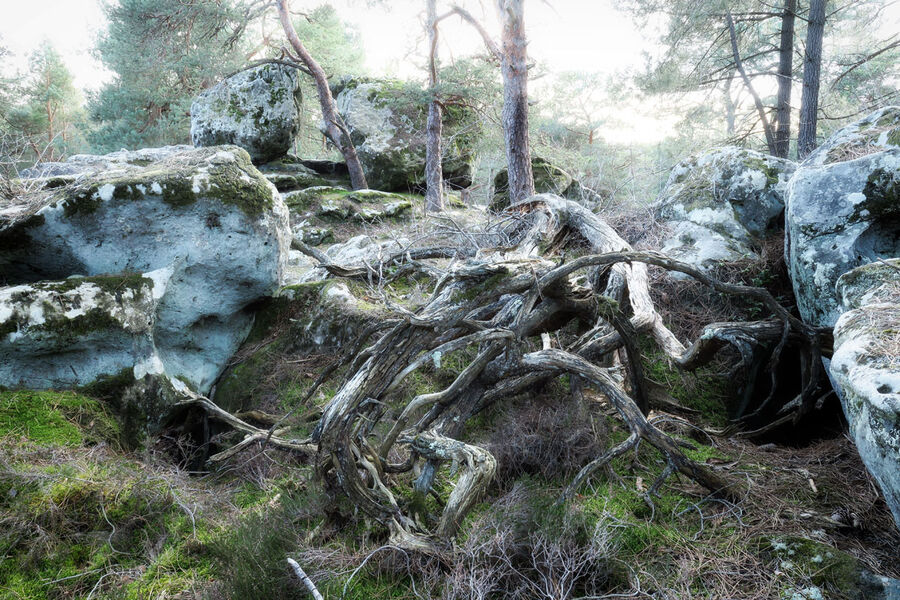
<point>334,127</point>
<point>514,68</point>
<point>812,65</point>
<point>739,65</point>
<point>785,79</point>
<point>434,176</point>
<point>729,108</point>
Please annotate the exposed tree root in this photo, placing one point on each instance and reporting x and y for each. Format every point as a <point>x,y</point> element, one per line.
<point>499,304</point>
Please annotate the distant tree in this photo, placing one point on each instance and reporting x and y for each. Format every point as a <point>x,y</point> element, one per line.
<point>338,50</point>
<point>434,177</point>
<point>162,53</point>
<point>512,54</point>
<point>49,112</point>
<point>333,124</point>
<point>812,67</point>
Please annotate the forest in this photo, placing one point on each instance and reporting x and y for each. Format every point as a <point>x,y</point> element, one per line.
<point>530,299</point>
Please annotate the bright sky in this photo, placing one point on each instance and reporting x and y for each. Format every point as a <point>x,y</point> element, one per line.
<point>582,35</point>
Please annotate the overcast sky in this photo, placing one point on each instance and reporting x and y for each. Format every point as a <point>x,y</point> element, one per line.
<point>588,35</point>
<point>580,35</point>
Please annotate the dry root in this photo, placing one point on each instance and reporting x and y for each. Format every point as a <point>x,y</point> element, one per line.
<point>498,304</point>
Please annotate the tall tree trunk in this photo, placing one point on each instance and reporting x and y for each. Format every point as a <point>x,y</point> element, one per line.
<point>515,99</point>
<point>334,127</point>
<point>785,79</point>
<point>730,108</point>
<point>812,64</point>
<point>434,176</point>
<point>739,65</point>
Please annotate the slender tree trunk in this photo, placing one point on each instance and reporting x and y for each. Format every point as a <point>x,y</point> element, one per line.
<point>515,99</point>
<point>729,107</point>
<point>812,64</point>
<point>785,79</point>
<point>334,127</point>
<point>739,65</point>
<point>434,176</point>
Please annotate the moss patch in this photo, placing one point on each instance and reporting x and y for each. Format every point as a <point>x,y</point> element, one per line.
<point>49,418</point>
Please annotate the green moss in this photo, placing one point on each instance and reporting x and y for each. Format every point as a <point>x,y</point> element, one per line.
<point>178,186</point>
<point>97,520</point>
<point>893,137</point>
<point>50,418</point>
<point>702,390</point>
<point>818,563</point>
<point>771,172</point>
<point>882,193</point>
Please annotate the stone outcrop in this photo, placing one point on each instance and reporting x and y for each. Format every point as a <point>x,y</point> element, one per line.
<point>256,109</point>
<point>386,120</point>
<point>548,179</point>
<point>142,265</point>
<point>843,211</point>
<point>306,320</point>
<point>865,369</point>
<point>721,203</point>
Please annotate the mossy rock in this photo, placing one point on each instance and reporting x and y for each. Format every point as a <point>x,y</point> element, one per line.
<point>387,118</point>
<point>837,573</point>
<point>548,179</point>
<point>309,318</point>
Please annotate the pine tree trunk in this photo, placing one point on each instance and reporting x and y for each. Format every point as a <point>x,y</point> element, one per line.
<point>757,101</point>
<point>334,127</point>
<point>515,99</point>
<point>730,108</point>
<point>785,76</point>
<point>812,65</point>
<point>434,176</point>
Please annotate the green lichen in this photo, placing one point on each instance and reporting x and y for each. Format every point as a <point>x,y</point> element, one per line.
<point>770,171</point>
<point>114,285</point>
<point>882,193</point>
<point>178,185</point>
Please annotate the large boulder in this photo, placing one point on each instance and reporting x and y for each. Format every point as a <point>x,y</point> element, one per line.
<point>387,120</point>
<point>548,179</point>
<point>865,369</point>
<point>168,255</point>
<point>257,109</point>
<point>719,204</point>
<point>843,211</point>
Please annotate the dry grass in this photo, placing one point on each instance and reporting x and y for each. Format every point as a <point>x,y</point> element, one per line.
<point>885,324</point>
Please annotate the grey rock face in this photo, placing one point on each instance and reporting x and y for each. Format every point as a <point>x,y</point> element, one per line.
<point>386,120</point>
<point>257,109</point>
<point>865,369</point>
<point>843,211</point>
<point>720,203</point>
<point>195,237</point>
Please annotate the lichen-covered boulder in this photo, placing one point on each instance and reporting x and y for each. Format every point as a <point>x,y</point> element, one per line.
<point>329,204</point>
<point>548,179</point>
<point>202,231</point>
<point>77,330</point>
<point>873,133</point>
<point>843,210</point>
<point>720,203</point>
<point>387,120</point>
<point>257,109</point>
<point>865,369</point>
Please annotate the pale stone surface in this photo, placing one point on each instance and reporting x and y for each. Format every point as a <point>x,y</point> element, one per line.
<point>203,225</point>
<point>721,203</point>
<point>865,369</point>
<point>843,211</point>
<point>257,109</point>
